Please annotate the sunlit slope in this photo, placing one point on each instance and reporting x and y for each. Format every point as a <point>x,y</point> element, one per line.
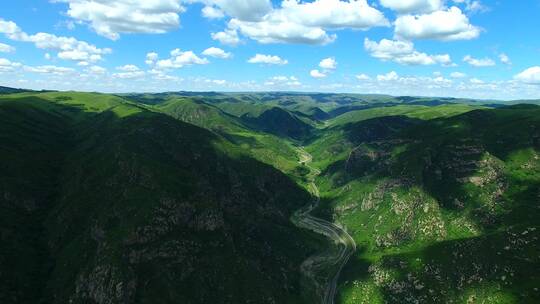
<point>443,210</point>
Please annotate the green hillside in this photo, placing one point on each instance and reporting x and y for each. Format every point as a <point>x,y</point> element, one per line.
<point>443,210</point>
<point>107,200</point>
<point>193,197</point>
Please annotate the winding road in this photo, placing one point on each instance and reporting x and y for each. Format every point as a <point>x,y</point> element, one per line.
<point>323,268</point>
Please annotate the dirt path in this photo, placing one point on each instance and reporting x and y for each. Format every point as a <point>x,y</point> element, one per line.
<point>323,268</point>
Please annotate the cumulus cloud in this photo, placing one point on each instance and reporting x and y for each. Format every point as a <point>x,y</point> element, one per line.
<point>403,52</point>
<point>529,76</point>
<point>129,75</point>
<point>128,68</point>
<point>505,59</point>
<point>267,59</point>
<point>476,81</point>
<point>180,59</point>
<point>227,37</point>
<point>308,22</point>
<point>472,6</point>
<point>49,69</point>
<point>363,77</point>
<point>111,18</point>
<point>8,66</point>
<point>413,6</point>
<point>283,81</point>
<point>449,24</point>
<point>217,53</point>
<point>391,76</point>
<point>328,63</point>
<point>68,48</point>
<point>458,75</point>
<point>97,70</point>
<point>244,10</point>
<point>151,58</point>
<point>211,12</point>
<point>483,62</point>
<point>4,48</point>
<point>317,74</point>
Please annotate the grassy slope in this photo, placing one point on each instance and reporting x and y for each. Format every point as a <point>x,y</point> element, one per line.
<point>443,206</point>
<point>265,147</point>
<point>331,144</point>
<point>443,210</point>
<point>134,205</point>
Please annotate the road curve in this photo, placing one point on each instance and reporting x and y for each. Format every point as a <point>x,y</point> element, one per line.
<point>323,268</point>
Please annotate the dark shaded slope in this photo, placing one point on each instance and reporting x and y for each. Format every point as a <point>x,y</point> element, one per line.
<point>279,122</point>
<point>34,137</point>
<point>8,90</point>
<point>146,209</point>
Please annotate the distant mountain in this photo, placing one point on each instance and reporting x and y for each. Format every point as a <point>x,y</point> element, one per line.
<point>279,122</point>
<point>190,197</point>
<point>7,90</point>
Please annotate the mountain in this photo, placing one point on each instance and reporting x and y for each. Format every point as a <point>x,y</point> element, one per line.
<point>108,202</point>
<point>7,90</point>
<point>445,209</point>
<point>279,122</point>
<point>193,197</point>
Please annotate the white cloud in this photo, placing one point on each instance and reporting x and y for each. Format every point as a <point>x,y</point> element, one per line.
<point>49,69</point>
<point>181,59</point>
<point>529,76</point>
<point>227,37</point>
<point>328,63</point>
<point>217,53</point>
<point>267,59</point>
<point>282,32</point>
<point>97,70</point>
<point>483,62</point>
<point>128,68</point>
<point>446,25</point>
<point>47,56</point>
<point>317,74</point>
<point>472,6</point>
<point>151,58</point>
<point>129,75</point>
<point>4,48</point>
<point>283,81</point>
<point>251,10</point>
<point>308,22</point>
<point>211,12</point>
<point>403,52</point>
<point>391,76</point>
<point>111,18</point>
<point>8,66</point>
<point>363,77</point>
<point>458,75</point>
<point>505,59</point>
<point>413,6</point>
<point>476,81</point>
<point>68,48</point>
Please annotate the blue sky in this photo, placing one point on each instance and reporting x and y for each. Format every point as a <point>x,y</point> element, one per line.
<point>461,48</point>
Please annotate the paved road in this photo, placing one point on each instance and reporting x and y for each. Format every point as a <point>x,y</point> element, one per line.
<point>324,268</point>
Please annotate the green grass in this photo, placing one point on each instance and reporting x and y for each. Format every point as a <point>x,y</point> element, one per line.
<point>137,194</point>
<point>98,189</point>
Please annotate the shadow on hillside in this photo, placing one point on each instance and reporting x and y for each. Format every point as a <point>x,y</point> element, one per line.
<point>140,208</point>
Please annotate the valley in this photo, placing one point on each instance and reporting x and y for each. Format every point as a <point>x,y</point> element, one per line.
<point>268,198</point>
